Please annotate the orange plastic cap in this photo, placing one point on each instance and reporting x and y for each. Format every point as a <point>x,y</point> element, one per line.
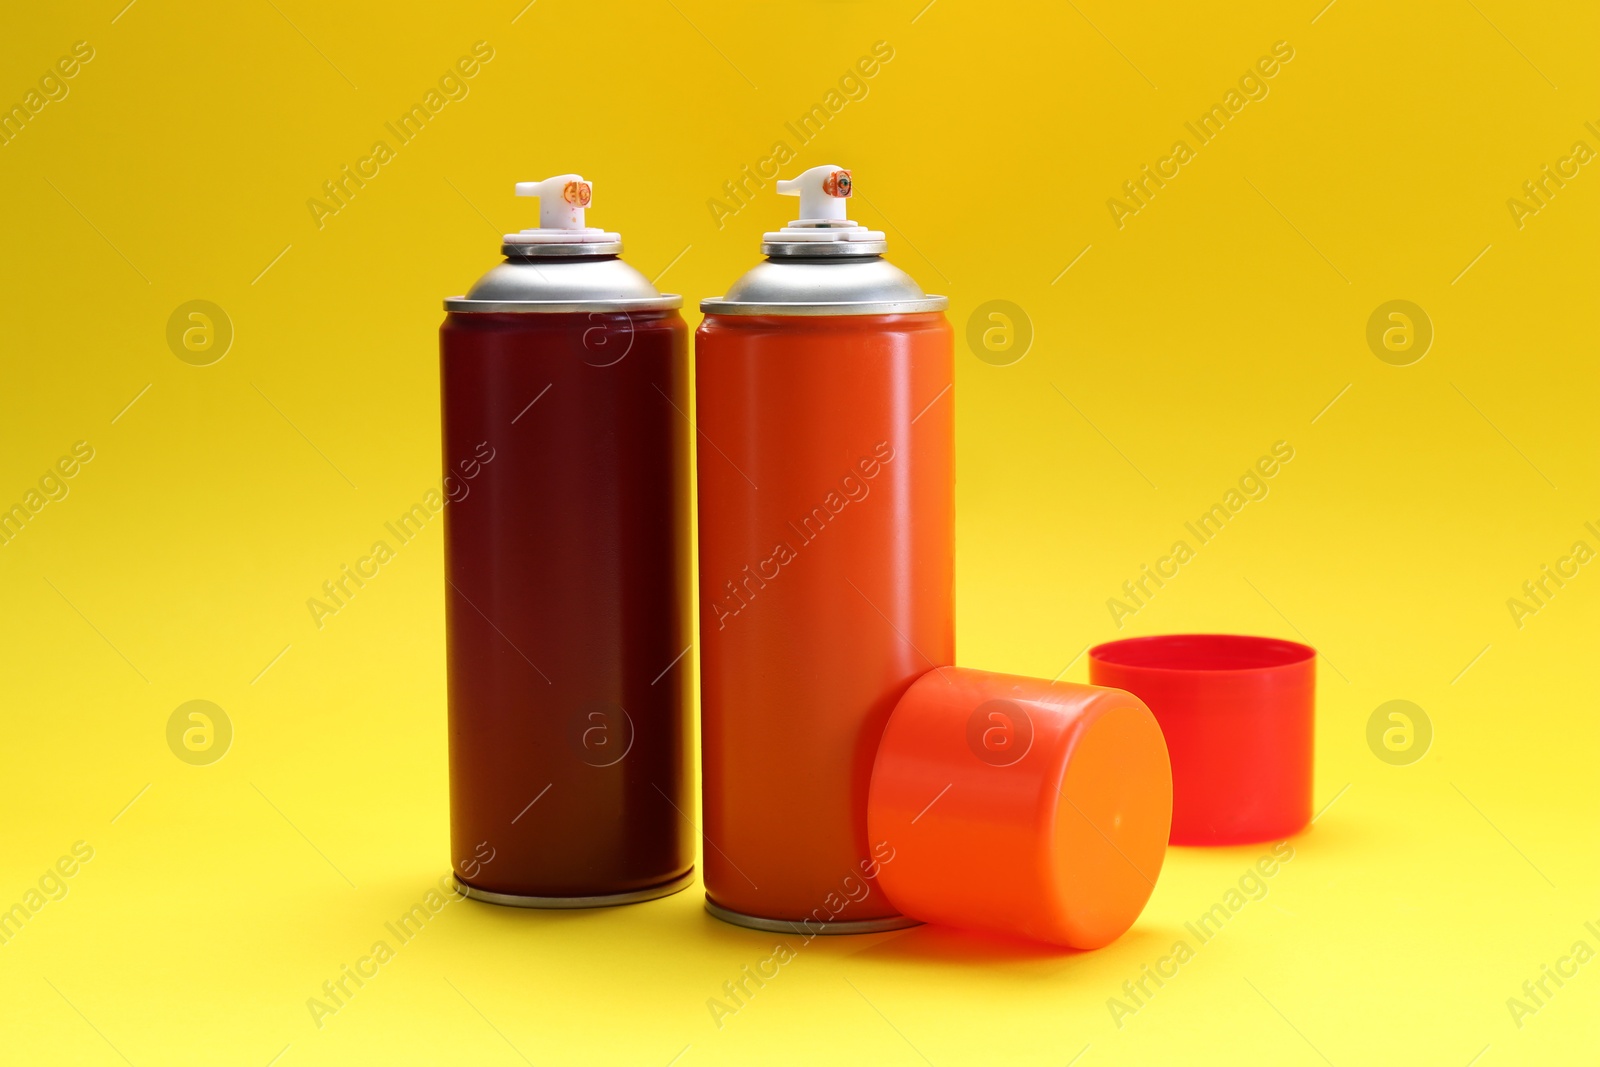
<point>1022,807</point>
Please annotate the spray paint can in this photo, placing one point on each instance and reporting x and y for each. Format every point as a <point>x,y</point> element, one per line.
<point>565,387</point>
<point>823,383</point>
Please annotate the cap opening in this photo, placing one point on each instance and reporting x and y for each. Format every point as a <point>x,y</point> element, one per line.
<point>1202,652</point>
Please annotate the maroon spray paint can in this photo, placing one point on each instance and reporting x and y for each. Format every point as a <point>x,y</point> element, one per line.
<point>564,385</point>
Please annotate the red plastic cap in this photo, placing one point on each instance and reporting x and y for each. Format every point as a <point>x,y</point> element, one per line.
<point>1019,806</point>
<point>1238,715</point>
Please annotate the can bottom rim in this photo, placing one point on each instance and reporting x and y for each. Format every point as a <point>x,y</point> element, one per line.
<point>790,926</point>
<point>608,900</point>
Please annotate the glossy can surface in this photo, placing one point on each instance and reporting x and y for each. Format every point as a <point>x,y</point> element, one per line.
<point>826,490</point>
<point>567,536</point>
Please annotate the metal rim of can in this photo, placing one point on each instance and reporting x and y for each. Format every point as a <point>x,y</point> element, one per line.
<point>801,929</point>
<point>822,249</point>
<point>664,302</point>
<point>609,900</point>
<point>717,306</point>
<point>566,250</point>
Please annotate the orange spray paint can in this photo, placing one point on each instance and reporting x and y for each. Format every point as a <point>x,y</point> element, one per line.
<point>826,487</point>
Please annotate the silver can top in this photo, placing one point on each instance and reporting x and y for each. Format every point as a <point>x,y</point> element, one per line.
<point>823,263</point>
<point>562,265</point>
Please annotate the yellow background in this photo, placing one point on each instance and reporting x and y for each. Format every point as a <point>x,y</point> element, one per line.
<point>1223,317</point>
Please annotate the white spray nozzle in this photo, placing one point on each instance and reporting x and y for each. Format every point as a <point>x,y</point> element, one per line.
<point>822,192</point>
<point>561,200</point>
